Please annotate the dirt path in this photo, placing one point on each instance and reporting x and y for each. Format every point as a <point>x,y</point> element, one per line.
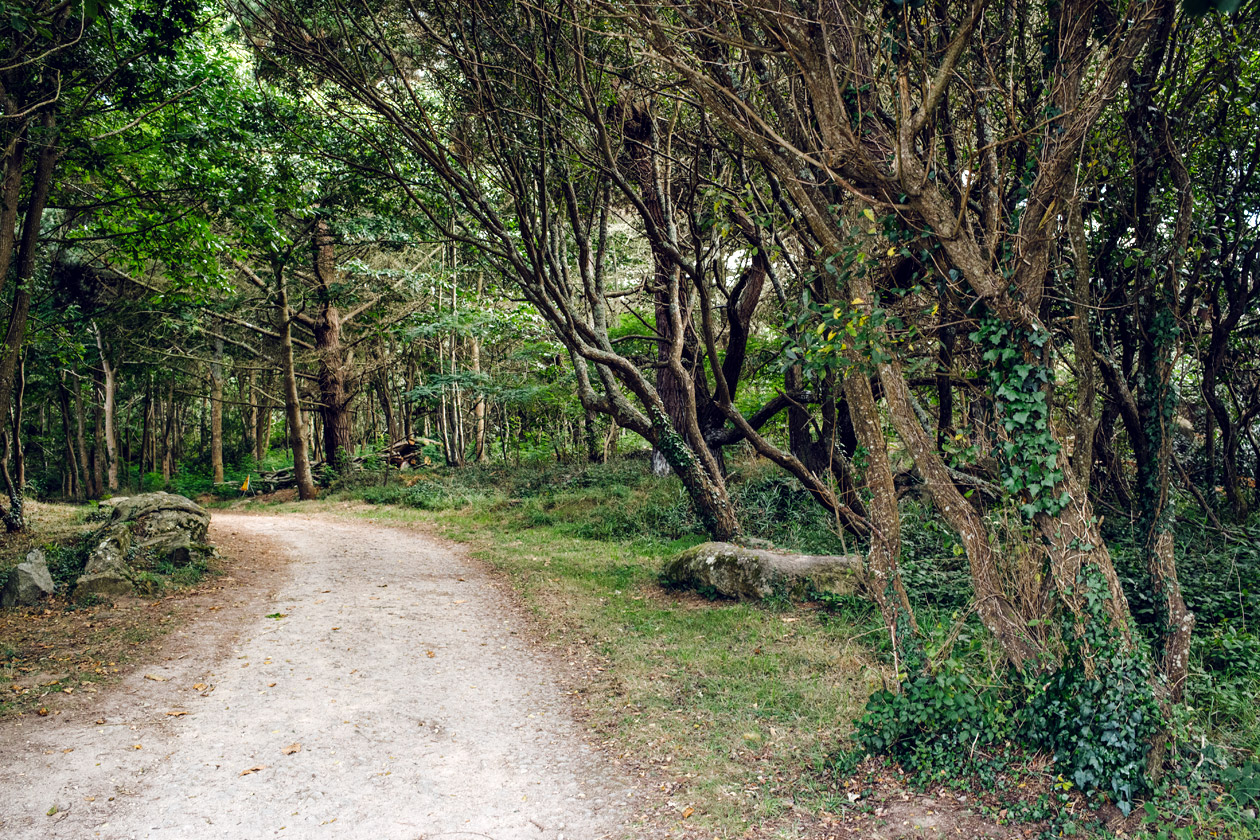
<point>381,691</point>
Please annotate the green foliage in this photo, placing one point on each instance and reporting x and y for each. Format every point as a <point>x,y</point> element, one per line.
<point>1244,783</point>
<point>1030,454</point>
<point>67,562</point>
<point>1098,711</point>
<point>935,724</point>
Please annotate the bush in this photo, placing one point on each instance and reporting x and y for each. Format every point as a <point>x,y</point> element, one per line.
<point>934,724</point>
<point>1100,727</point>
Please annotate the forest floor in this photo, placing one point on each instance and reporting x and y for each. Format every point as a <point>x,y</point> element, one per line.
<point>344,678</point>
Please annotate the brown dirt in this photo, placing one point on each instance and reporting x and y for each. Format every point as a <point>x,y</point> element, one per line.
<point>356,681</point>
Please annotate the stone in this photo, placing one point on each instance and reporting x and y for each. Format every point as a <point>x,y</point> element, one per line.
<point>28,583</point>
<point>752,574</point>
<point>143,529</point>
<point>107,571</point>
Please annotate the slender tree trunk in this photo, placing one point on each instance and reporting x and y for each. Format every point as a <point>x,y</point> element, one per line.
<point>74,486</point>
<point>883,576</point>
<point>292,405</point>
<point>80,417</point>
<point>168,436</point>
<point>262,421</point>
<point>249,409</point>
<point>216,413</point>
<point>109,385</point>
<point>1083,345</point>
<point>146,430</point>
<point>98,440</point>
<point>19,451</point>
<point>479,407</point>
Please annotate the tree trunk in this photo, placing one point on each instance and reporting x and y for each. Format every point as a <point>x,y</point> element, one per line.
<point>109,387</point>
<point>1083,345</point>
<point>479,407</point>
<point>146,431</point>
<point>81,429</point>
<point>883,577</point>
<point>216,413</point>
<point>74,486</point>
<point>262,422</point>
<point>168,436</point>
<point>98,440</point>
<point>292,404</point>
<point>387,408</point>
<point>19,452</point>
<point>249,410</point>
<point>27,251</point>
<point>334,360</point>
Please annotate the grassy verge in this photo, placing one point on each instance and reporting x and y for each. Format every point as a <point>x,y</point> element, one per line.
<point>67,646</point>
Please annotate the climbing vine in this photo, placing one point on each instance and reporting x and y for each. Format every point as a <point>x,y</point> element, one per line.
<point>1029,453</point>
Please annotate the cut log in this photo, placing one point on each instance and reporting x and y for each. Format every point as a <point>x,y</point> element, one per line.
<point>734,571</point>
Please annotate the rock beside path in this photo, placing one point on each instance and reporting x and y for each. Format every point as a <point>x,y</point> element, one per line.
<point>142,532</point>
<point>752,573</point>
<point>29,583</point>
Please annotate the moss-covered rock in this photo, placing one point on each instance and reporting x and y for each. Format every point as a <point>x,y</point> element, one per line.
<point>752,574</point>
<point>144,529</point>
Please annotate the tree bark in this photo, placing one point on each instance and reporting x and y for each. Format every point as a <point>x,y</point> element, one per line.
<point>19,450</point>
<point>216,413</point>
<point>109,387</point>
<point>334,359</point>
<point>883,576</point>
<point>262,422</point>
<point>74,486</point>
<point>292,403</point>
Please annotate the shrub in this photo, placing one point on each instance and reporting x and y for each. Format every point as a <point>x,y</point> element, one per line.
<point>934,725</point>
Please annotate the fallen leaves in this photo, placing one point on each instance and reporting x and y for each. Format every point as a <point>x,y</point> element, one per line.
<point>199,686</point>
<point>688,812</point>
<point>155,678</point>
<point>278,616</point>
<point>430,654</point>
<point>256,768</point>
<point>291,749</point>
<point>176,713</point>
<point>42,711</point>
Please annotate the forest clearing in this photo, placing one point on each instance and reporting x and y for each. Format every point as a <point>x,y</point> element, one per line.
<point>845,415</point>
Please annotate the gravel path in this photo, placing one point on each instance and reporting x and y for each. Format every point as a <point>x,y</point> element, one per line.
<point>390,696</point>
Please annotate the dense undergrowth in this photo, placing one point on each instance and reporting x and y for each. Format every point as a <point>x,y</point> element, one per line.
<point>960,717</point>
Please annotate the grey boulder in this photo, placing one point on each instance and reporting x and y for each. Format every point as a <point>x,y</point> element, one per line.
<point>144,530</point>
<point>753,573</point>
<point>29,583</point>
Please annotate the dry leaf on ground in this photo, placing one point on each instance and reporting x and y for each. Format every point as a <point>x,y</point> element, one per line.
<point>291,749</point>
<point>254,769</point>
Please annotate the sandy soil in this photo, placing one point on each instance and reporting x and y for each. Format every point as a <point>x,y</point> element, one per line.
<point>376,686</point>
